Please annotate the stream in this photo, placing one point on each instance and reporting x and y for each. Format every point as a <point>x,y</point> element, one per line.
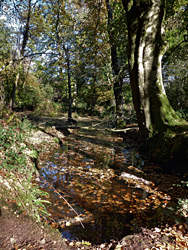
<point>101,188</point>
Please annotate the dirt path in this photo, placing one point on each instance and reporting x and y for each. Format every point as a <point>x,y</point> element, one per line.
<point>20,232</point>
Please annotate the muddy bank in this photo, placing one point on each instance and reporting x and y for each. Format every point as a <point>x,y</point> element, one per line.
<point>21,232</point>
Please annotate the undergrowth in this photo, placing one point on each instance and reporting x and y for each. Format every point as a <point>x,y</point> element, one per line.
<point>17,170</point>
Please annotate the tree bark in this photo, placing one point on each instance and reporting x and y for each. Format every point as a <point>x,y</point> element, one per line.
<point>24,43</point>
<point>66,50</point>
<point>146,49</point>
<point>118,81</point>
<point>69,84</point>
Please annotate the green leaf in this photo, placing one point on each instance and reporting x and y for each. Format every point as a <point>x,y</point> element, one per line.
<point>33,154</point>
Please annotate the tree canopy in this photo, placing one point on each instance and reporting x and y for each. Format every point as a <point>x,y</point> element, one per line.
<point>71,55</point>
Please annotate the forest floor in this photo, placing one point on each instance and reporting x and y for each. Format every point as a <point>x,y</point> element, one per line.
<point>21,232</point>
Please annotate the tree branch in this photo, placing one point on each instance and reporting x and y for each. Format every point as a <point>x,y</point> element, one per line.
<point>173,50</point>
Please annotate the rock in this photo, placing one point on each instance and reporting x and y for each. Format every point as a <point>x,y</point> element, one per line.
<point>134,178</point>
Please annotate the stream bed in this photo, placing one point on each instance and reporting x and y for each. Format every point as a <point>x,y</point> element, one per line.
<point>101,189</point>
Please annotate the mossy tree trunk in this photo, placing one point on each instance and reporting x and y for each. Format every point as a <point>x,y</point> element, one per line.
<point>146,49</point>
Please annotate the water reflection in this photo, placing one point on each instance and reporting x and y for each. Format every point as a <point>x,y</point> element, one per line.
<point>102,179</point>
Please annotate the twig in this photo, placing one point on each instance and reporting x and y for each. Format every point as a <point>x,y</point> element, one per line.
<point>99,123</point>
<point>57,192</point>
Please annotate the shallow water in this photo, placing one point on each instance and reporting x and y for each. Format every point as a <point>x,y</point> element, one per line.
<point>100,176</point>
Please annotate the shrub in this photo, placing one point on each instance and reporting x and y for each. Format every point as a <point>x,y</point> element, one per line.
<point>38,97</point>
<point>48,108</point>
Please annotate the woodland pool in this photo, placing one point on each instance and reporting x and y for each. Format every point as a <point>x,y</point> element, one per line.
<point>100,179</point>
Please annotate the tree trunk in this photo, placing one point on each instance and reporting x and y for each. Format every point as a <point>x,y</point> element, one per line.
<point>146,49</point>
<point>118,81</point>
<point>15,84</point>
<point>66,50</point>
<point>25,39</point>
<point>69,84</point>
